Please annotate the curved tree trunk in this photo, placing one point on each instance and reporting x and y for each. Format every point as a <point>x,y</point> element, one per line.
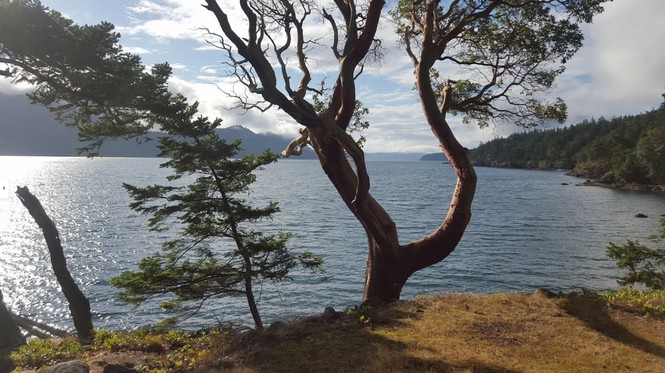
<point>249,294</point>
<point>389,264</point>
<point>79,306</point>
<point>10,334</point>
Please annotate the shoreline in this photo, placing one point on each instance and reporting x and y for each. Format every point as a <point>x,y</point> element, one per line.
<point>655,188</point>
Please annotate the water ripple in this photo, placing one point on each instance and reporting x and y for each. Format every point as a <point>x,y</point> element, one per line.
<point>527,231</point>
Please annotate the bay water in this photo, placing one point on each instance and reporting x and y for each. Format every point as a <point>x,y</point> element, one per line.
<point>529,229</point>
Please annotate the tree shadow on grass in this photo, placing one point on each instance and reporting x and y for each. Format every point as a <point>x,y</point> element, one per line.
<point>595,313</point>
<point>349,347</point>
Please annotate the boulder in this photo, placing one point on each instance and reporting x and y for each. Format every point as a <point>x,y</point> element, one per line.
<point>276,325</point>
<point>73,366</point>
<point>544,293</point>
<point>119,368</point>
<point>330,315</point>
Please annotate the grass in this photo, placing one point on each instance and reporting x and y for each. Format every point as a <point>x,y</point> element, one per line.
<point>452,333</point>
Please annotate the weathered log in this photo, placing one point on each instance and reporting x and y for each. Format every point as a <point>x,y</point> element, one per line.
<point>79,306</point>
<point>30,325</point>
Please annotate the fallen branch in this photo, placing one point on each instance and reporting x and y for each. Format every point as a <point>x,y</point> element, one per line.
<point>32,327</point>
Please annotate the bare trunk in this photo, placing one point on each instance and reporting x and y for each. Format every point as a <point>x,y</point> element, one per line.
<point>389,264</point>
<point>10,334</point>
<point>385,276</point>
<point>249,294</point>
<point>79,306</point>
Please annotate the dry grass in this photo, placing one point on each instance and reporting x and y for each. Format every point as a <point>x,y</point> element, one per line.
<point>484,333</point>
<point>456,333</point>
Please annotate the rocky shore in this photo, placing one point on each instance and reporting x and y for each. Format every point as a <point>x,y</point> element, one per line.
<point>627,186</point>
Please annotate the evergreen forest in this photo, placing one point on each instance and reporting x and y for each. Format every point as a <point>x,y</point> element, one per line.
<point>628,149</point>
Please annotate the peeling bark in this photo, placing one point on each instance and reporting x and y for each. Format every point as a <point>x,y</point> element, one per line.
<point>389,264</point>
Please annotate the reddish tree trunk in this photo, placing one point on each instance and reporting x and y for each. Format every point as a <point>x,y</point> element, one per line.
<point>389,264</point>
<point>385,276</point>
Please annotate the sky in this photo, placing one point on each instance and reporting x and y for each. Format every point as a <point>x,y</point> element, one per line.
<point>619,71</point>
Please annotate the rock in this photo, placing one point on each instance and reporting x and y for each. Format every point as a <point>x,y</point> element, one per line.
<point>119,368</point>
<point>544,293</point>
<point>277,325</point>
<point>640,215</point>
<point>73,366</point>
<point>329,315</point>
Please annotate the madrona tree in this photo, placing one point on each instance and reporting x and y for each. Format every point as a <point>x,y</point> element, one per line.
<point>498,54</point>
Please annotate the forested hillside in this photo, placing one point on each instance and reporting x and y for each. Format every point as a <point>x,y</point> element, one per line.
<point>624,149</point>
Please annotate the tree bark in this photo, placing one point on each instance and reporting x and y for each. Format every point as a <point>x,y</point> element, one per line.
<point>389,264</point>
<point>249,294</point>
<point>10,334</point>
<point>79,306</point>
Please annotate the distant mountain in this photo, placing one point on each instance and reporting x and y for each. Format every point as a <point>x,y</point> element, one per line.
<point>434,157</point>
<point>27,129</point>
<point>393,156</point>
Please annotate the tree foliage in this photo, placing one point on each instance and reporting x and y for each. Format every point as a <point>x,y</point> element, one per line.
<point>219,250</point>
<point>81,73</point>
<point>630,148</point>
<point>645,265</point>
<point>503,54</point>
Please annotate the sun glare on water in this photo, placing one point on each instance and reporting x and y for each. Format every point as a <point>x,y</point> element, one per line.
<point>18,257</point>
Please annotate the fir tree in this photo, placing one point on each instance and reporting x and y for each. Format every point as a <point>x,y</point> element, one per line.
<point>218,251</point>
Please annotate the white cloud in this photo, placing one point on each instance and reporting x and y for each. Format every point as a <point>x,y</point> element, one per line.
<point>208,70</point>
<point>9,88</point>
<point>179,66</point>
<point>136,50</point>
<point>214,103</point>
<point>621,68</point>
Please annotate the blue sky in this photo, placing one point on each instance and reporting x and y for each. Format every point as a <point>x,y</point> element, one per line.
<point>620,70</point>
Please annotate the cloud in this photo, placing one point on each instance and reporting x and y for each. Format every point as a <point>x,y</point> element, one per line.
<point>620,70</point>
<point>136,50</point>
<point>179,66</point>
<point>214,103</point>
<point>9,88</point>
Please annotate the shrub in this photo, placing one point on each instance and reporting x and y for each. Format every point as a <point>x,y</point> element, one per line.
<point>645,265</point>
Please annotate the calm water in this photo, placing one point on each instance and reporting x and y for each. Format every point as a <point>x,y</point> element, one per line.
<point>528,231</point>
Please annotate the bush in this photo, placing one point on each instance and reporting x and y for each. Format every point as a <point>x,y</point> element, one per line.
<point>43,352</point>
<point>651,302</point>
<point>645,265</point>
